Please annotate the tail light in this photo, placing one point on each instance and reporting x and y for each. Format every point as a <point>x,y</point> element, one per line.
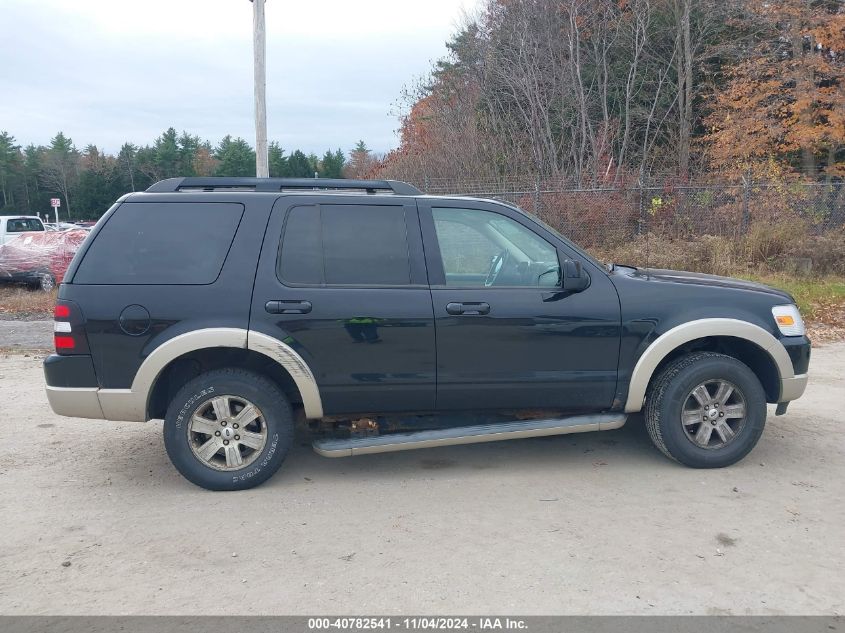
<point>68,329</point>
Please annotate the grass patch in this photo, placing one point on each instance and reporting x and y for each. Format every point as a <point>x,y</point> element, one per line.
<point>20,302</point>
<point>818,298</point>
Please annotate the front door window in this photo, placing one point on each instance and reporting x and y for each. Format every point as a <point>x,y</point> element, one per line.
<point>485,249</point>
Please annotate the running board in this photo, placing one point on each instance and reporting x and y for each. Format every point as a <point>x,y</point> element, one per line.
<point>468,435</point>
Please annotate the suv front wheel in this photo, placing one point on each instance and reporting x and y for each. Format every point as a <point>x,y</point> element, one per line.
<point>706,410</point>
<point>228,429</point>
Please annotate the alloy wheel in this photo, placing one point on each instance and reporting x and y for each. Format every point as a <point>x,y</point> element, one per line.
<point>227,432</point>
<point>713,414</point>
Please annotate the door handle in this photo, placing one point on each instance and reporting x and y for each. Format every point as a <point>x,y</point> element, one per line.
<point>554,295</point>
<point>468,307</point>
<point>287,307</point>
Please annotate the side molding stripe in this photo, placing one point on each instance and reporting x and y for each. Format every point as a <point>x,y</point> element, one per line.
<point>677,336</point>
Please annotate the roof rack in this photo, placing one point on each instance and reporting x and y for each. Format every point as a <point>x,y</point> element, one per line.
<point>171,185</point>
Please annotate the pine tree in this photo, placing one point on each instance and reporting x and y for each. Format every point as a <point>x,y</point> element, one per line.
<point>127,161</point>
<point>237,158</point>
<point>60,168</point>
<point>332,164</point>
<point>166,155</point>
<point>35,196</point>
<point>9,166</point>
<point>361,161</point>
<point>299,166</point>
<point>278,162</point>
<point>188,147</point>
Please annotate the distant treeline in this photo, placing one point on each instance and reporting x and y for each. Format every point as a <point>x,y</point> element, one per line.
<point>89,181</point>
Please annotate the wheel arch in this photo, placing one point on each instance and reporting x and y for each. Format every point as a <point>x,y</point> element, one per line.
<point>741,339</point>
<point>179,359</point>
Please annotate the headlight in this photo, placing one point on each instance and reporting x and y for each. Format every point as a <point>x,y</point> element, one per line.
<point>788,320</point>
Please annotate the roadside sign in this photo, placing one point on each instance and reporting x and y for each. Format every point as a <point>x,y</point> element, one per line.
<point>56,203</point>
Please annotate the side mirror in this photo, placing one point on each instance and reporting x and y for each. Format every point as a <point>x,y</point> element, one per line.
<point>573,277</point>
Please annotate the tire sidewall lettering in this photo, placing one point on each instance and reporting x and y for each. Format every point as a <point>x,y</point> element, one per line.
<point>188,407</point>
<point>271,450</point>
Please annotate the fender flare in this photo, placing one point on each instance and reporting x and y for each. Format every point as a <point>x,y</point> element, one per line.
<point>701,328</point>
<point>133,403</point>
<point>294,364</point>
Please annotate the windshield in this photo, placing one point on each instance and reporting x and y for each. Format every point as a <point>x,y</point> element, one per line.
<point>20,225</point>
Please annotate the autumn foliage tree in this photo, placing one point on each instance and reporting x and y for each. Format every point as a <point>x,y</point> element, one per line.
<point>784,101</point>
<point>361,162</point>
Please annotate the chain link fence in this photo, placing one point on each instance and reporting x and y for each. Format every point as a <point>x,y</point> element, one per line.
<point>753,221</point>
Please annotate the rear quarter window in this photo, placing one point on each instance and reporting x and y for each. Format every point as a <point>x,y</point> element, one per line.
<point>183,243</point>
<point>21,225</point>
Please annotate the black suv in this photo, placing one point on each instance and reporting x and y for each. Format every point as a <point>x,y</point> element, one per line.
<point>385,320</point>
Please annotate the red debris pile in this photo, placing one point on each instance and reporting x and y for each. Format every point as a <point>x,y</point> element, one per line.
<point>34,256</point>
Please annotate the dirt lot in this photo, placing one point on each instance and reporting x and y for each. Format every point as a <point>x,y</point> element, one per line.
<point>96,521</point>
<point>25,335</point>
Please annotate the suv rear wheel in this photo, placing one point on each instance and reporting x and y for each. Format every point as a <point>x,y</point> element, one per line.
<point>228,429</point>
<point>706,410</point>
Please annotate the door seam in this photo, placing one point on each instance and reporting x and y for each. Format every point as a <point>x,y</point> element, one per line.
<point>431,303</point>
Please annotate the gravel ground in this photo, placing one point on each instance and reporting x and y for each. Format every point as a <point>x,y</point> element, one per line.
<point>18,335</point>
<point>96,521</point>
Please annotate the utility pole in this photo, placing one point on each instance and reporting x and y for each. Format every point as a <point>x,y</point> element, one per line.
<point>259,48</point>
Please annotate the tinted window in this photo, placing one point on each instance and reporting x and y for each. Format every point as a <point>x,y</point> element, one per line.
<point>19,225</point>
<point>301,259</point>
<point>481,248</point>
<point>161,243</point>
<point>345,245</point>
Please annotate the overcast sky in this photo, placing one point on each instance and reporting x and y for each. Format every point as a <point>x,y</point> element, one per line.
<point>109,71</point>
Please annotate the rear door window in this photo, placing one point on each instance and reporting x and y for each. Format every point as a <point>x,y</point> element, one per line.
<point>161,243</point>
<point>346,245</point>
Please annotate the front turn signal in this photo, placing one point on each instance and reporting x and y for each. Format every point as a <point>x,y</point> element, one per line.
<point>788,320</point>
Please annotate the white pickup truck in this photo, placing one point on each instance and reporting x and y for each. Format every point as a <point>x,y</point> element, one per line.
<point>12,225</point>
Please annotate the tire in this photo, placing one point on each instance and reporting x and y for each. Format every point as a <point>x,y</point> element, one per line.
<point>208,409</point>
<point>672,410</point>
<point>45,282</point>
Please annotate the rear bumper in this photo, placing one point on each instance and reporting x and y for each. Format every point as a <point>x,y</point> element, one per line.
<point>72,386</point>
<point>75,402</point>
<point>70,371</point>
<point>96,404</point>
<point>73,391</point>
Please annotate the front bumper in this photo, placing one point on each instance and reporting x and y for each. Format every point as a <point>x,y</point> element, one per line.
<point>792,388</point>
<point>798,348</point>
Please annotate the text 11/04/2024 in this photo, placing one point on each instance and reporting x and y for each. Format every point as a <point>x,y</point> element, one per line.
<point>421,623</point>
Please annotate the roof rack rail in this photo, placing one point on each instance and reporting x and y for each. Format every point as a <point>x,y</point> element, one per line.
<point>171,185</point>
